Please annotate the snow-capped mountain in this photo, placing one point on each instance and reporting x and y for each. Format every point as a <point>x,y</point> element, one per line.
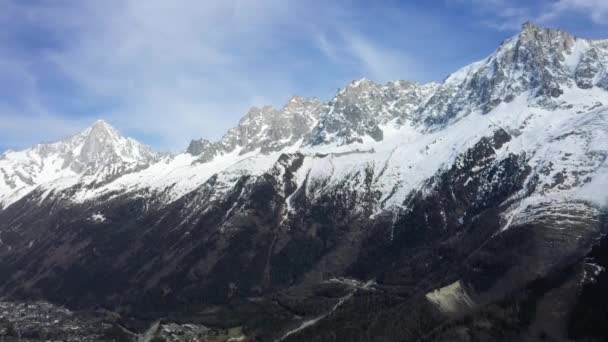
<point>532,79</point>
<point>362,107</point>
<point>480,196</point>
<point>266,129</point>
<point>540,63</point>
<point>97,155</point>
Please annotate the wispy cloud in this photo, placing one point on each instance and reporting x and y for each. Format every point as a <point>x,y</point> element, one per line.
<point>382,63</point>
<point>508,15</point>
<point>596,10</point>
<point>372,60</point>
<point>502,15</point>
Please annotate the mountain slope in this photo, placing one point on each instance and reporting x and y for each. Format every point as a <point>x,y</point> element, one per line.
<point>97,155</point>
<point>471,204</point>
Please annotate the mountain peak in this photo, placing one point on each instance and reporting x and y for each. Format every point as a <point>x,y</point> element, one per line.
<point>529,26</point>
<point>300,103</point>
<point>535,34</point>
<point>101,128</point>
<point>361,83</point>
<point>103,143</point>
<point>98,153</point>
<point>100,122</point>
<point>297,100</point>
<point>542,62</point>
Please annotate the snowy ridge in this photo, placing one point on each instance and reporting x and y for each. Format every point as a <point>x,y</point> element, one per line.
<point>358,111</point>
<point>538,62</point>
<point>267,129</point>
<point>545,88</point>
<point>96,155</point>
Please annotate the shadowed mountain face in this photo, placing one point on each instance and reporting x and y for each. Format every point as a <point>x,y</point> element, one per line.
<point>471,209</point>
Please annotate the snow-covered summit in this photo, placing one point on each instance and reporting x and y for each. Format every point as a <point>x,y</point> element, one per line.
<point>539,62</point>
<point>98,153</point>
<point>104,145</point>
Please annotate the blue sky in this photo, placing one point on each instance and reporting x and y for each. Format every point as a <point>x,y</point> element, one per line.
<point>167,71</point>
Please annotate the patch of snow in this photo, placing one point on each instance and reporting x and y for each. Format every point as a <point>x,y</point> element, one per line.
<point>451,299</point>
<point>98,217</point>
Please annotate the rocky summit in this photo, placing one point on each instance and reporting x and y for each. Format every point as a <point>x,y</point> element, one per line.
<point>472,209</point>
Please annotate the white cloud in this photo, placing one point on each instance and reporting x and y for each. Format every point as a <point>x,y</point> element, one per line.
<point>372,60</point>
<point>508,15</point>
<point>502,15</point>
<point>383,64</point>
<point>328,48</point>
<point>596,10</point>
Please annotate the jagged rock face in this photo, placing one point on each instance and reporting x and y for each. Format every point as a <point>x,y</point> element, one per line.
<point>271,130</point>
<point>472,205</point>
<point>203,149</point>
<point>266,129</point>
<point>591,71</point>
<point>104,145</point>
<point>538,61</point>
<point>361,108</point>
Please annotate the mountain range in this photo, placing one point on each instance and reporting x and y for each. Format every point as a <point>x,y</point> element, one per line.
<point>469,209</point>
